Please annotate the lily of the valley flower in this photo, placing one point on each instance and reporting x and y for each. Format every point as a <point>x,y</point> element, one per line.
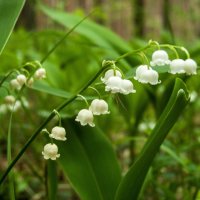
<point>127,87</point>
<point>99,107</point>
<point>145,74</point>
<point>58,133</point>
<point>177,66</point>
<point>21,79</point>
<point>15,84</point>
<point>190,66</point>
<point>113,84</point>
<point>160,58</point>
<point>85,117</point>
<point>40,73</point>
<point>110,73</point>
<point>9,99</point>
<point>50,151</point>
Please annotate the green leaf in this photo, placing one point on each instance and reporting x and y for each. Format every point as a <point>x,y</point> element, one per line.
<point>90,163</point>
<point>131,184</point>
<point>97,34</point>
<point>9,12</point>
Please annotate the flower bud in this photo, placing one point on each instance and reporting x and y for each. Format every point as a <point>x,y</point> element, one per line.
<point>29,82</point>
<point>9,99</point>
<point>99,107</point>
<point>40,73</point>
<point>85,117</point>
<point>58,133</point>
<point>50,151</point>
<point>21,79</point>
<point>15,84</point>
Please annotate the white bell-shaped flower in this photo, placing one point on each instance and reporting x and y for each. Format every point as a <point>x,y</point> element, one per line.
<point>140,71</point>
<point>50,151</point>
<point>21,78</point>
<point>147,75</point>
<point>15,84</point>
<point>127,87</point>
<point>177,66</point>
<point>85,117</point>
<point>110,73</point>
<point>29,82</point>
<point>40,73</point>
<point>113,84</point>
<point>160,58</point>
<point>15,106</point>
<point>190,66</point>
<point>9,99</point>
<point>58,133</point>
<point>99,107</point>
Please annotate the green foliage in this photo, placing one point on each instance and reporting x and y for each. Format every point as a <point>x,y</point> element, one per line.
<point>94,159</point>
<point>9,12</point>
<point>90,163</point>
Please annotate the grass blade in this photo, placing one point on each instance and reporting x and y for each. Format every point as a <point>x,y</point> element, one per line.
<point>9,12</point>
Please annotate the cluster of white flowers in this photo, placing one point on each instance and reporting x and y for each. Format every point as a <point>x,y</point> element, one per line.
<point>12,104</point>
<point>180,66</point>
<point>21,79</point>
<point>51,150</point>
<point>97,107</point>
<point>145,74</point>
<point>115,84</point>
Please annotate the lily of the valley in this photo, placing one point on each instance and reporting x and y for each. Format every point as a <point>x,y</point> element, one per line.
<point>99,107</point>
<point>50,151</point>
<point>145,74</point>
<point>58,133</point>
<point>160,58</point>
<point>85,117</point>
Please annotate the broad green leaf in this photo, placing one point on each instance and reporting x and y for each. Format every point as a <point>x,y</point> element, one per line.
<point>131,184</point>
<point>44,87</point>
<point>89,162</point>
<point>9,12</point>
<point>97,34</point>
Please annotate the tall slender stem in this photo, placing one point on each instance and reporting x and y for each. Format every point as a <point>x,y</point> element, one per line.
<point>50,117</point>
